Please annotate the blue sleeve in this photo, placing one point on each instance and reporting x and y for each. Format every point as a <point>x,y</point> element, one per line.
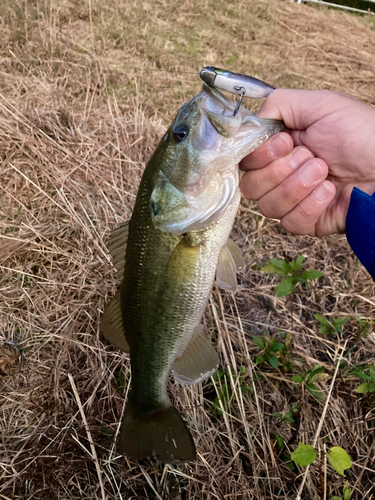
<point>360,228</point>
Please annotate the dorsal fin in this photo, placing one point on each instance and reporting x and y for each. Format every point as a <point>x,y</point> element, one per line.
<point>117,247</point>
<point>198,361</point>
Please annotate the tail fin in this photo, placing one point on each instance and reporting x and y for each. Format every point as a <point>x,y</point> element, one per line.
<point>161,434</point>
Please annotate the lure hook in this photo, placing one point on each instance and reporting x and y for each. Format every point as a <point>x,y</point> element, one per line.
<point>235,83</point>
<point>241,92</point>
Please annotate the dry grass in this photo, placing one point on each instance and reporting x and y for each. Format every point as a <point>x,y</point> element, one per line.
<point>86,89</point>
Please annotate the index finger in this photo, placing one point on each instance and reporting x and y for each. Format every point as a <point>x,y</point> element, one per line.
<point>278,146</point>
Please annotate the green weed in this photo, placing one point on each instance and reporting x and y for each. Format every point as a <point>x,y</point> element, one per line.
<point>308,380</point>
<point>288,416</point>
<point>292,272</point>
<point>365,373</point>
<point>224,388</point>
<point>284,456</point>
<point>331,326</point>
<point>337,457</point>
<point>275,353</point>
<point>346,493</point>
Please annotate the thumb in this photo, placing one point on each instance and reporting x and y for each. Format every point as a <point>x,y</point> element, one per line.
<point>298,109</point>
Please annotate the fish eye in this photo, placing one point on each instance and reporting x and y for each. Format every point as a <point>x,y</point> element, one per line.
<point>180,133</point>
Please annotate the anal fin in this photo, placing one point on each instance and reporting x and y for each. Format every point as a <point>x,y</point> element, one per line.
<point>111,323</point>
<point>198,361</point>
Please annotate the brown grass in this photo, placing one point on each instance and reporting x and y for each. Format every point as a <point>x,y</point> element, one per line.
<point>86,89</point>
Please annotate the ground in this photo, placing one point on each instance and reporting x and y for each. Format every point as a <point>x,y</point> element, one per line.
<point>87,88</point>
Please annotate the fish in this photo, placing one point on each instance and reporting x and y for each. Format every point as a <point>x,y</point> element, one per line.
<point>167,257</point>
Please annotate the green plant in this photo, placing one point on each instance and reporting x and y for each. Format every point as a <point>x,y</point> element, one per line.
<point>284,456</point>
<point>346,493</point>
<point>365,373</point>
<point>288,416</point>
<point>337,457</point>
<point>292,272</point>
<point>224,387</point>
<point>364,326</point>
<point>330,325</point>
<point>275,353</point>
<point>309,379</point>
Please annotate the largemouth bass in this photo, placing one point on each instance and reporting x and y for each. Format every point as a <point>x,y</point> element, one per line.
<point>167,257</point>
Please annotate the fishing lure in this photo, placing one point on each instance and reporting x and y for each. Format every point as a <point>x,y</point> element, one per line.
<point>235,83</point>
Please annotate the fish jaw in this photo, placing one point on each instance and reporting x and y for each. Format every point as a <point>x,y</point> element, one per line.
<point>196,191</point>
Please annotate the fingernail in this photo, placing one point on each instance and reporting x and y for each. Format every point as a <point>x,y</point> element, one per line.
<point>311,172</point>
<point>300,157</point>
<point>279,146</point>
<point>322,192</point>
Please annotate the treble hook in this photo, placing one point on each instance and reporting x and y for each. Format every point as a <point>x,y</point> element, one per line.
<point>241,92</point>
<point>235,83</point>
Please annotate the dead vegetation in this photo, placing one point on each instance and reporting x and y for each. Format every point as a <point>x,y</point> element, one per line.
<point>86,89</point>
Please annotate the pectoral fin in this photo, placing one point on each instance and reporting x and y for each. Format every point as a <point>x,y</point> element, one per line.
<point>236,254</point>
<point>198,362</point>
<point>111,323</point>
<point>230,261</point>
<point>117,248</point>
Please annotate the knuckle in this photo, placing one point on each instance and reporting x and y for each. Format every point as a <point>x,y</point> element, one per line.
<point>248,188</point>
<point>299,221</point>
<point>275,174</point>
<point>266,209</point>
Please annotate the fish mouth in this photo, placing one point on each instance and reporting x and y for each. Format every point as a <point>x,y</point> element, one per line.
<point>238,126</point>
<point>219,140</point>
<point>217,102</point>
<point>224,138</point>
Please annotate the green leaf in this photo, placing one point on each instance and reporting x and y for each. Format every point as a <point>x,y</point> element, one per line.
<point>322,320</point>
<point>273,361</point>
<point>347,491</point>
<point>276,346</point>
<point>361,374</point>
<point>246,388</point>
<point>260,359</point>
<point>280,441</point>
<point>339,459</point>
<point>259,341</point>
<point>304,454</point>
<point>299,260</point>
<point>298,379</point>
<point>289,463</point>
<point>285,287</point>
<point>314,391</point>
<point>281,264</point>
<point>363,388</point>
<point>325,326</point>
<point>336,498</point>
<point>271,269</point>
<point>341,320</point>
<point>371,369</point>
<point>313,375</point>
<point>312,274</point>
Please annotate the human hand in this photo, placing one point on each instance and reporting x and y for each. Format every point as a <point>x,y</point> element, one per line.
<point>305,176</point>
